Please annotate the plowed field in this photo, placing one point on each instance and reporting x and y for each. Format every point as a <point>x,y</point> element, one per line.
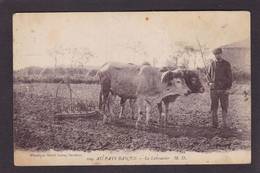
<point>189,123</point>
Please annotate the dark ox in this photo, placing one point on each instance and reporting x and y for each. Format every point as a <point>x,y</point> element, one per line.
<point>146,84</point>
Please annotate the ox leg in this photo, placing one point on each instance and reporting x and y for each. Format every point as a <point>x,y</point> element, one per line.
<point>111,101</point>
<point>148,114</point>
<point>132,104</point>
<point>105,105</point>
<point>140,112</point>
<point>122,104</point>
<point>166,113</point>
<point>139,118</point>
<point>159,106</point>
<point>100,103</point>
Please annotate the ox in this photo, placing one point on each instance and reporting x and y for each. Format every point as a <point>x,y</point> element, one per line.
<point>146,84</point>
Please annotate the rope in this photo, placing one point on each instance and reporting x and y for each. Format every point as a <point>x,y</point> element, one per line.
<point>203,59</point>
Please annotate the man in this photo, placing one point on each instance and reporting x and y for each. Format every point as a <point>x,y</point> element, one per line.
<point>220,81</point>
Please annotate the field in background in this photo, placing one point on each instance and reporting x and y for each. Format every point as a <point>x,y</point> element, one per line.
<point>189,130</point>
<point>56,75</point>
<point>87,75</point>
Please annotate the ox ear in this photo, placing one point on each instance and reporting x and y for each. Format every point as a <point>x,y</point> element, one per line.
<point>163,69</point>
<point>167,76</point>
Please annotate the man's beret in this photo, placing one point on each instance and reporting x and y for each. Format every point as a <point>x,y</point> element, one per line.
<point>217,51</point>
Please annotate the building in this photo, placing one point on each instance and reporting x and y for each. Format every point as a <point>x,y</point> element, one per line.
<point>238,54</point>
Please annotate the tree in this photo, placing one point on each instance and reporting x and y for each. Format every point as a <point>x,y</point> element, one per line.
<point>78,57</point>
<point>189,51</point>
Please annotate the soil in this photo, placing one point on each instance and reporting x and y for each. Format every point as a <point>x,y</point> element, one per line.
<point>189,129</point>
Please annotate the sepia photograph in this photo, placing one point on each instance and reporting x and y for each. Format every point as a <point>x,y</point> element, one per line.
<point>132,88</point>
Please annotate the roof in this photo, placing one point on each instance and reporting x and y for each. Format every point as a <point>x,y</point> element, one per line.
<point>240,44</point>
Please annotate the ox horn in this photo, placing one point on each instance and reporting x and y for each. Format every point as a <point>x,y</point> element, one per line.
<point>167,76</point>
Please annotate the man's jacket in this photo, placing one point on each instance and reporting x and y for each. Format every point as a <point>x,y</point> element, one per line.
<point>220,75</point>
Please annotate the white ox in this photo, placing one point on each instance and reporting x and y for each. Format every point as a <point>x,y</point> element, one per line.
<point>147,84</point>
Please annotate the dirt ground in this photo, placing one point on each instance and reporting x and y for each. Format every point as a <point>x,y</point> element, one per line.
<point>189,123</point>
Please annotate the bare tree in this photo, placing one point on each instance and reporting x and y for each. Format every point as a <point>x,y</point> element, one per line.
<point>190,51</point>
<point>55,54</point>
<point>78,57</point>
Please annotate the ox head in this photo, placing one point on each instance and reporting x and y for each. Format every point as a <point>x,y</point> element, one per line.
<point>182,78</point>
<point>192,80</point>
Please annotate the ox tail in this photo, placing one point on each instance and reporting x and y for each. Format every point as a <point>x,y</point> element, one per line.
<point>103,94</point>
<point>100,103</point>
<point>105,84</point>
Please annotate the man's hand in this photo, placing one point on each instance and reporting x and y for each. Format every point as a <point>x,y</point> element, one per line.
<point>211,85</point>
<point>228,91</point>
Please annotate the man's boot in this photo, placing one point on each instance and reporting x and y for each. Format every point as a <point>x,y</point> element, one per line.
<point>214,119</point>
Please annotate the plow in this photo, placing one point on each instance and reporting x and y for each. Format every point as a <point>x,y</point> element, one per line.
<point>77,107</point>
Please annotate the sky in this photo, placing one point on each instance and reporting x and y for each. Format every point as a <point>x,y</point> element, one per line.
<point>125,37</point>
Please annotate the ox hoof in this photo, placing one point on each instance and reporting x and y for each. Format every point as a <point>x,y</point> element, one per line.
<point>160,122</point>
<point>147,127</point>
<point>137,125</point>
<point>105,121</point>
<point>113,116</point>
<point>113,119</point>
<point>165,124</point>
<point>132,118</point>
<point>147,123</point>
